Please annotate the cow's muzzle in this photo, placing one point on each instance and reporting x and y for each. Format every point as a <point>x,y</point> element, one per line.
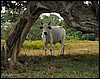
<point>45,33</point>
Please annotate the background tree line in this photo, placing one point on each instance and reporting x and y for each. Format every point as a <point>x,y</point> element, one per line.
<point>35,32</point>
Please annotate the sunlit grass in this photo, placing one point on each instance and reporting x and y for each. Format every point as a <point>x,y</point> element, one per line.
<point>71,47</point>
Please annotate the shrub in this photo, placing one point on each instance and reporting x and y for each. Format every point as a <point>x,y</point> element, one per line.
<point>97,39</point>
<point>2,42</point>
<point>26,44</point>
<point>89,37</point>
<point>37,44</point>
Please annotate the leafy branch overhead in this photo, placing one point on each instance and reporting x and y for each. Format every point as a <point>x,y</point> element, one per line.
<point>77,14</point>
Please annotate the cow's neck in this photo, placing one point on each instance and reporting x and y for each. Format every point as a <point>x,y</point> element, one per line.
<point>48,37</point>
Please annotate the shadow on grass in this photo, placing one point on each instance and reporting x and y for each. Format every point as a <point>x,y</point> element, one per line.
<point>71,60</point>
<point>67,66</point>
<point>48,58</point>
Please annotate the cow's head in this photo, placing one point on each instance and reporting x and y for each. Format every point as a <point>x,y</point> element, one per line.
<point>46,27</point>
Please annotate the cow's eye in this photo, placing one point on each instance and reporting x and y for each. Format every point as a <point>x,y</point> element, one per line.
<point>41,27</point>
<point>49,27</point>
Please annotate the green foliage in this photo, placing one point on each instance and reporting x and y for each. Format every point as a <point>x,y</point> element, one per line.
<point>2,42</point>
<point>12,11</point>
<point>97,39</point>
<point>26,44</point>
<point>37,44</point>
<point>74,35</point>
<point>54,19</point>
<point>6,30</point>
<point>35,32</point>
<point>89,37</point>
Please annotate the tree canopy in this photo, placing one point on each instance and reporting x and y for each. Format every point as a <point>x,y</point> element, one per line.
<point>76,11</point>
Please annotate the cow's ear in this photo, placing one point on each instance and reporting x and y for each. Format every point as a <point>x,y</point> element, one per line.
<point>41,27</point>
<point>49,27</point>
<point>49,23</point>
<point>41,23</point>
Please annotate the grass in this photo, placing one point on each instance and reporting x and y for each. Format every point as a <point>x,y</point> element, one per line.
<point>81,60</point>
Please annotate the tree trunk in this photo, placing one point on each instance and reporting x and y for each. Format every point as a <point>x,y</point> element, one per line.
<point>75,13</point>
<point>14,42</point>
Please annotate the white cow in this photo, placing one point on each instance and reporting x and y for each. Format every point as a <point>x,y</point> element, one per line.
<point>53,35</point>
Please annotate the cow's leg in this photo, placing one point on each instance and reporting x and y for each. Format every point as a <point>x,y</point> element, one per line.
<point>51,48</point>
<point>45,44</point>
<point>62,47</point>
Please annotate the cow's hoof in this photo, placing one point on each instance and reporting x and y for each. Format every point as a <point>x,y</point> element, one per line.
<point>61,54</point>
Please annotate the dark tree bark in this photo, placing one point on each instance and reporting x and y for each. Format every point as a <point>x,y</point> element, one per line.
<point>75,13</point>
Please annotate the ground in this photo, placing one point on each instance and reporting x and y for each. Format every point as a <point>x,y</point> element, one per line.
<point>81,60</point>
